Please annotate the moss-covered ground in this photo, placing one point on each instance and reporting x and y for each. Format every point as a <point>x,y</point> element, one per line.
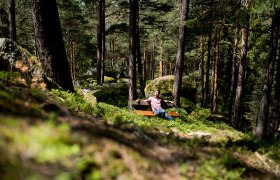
<point>60,135</point>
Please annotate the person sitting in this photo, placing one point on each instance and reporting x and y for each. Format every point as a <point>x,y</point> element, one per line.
<point>156,104</point>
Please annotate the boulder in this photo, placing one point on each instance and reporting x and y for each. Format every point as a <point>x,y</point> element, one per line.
<point>165,85</point>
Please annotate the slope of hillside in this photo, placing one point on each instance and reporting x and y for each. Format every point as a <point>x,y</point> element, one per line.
<point>57,135</point>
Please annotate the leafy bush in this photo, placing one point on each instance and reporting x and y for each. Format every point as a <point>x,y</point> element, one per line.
<point>114,93</point>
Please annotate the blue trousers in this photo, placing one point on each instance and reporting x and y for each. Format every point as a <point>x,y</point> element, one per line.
<point>163,113</point>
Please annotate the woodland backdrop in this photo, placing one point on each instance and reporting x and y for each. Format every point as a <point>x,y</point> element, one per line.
<point>228,48</point>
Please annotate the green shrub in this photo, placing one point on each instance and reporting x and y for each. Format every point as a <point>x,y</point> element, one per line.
<point>115,94</point>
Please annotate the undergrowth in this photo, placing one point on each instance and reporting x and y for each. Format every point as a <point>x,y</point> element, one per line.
<point>50,142</point>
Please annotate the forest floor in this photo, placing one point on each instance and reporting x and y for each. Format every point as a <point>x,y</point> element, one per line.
<point>42,138</point>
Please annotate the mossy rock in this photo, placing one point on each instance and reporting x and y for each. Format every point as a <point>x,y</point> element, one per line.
<point>15,58</point>
<point>165,85</point>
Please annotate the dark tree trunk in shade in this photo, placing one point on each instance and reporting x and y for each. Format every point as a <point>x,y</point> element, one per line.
<point>275,113</point>
<point>262,125</point>
<point>49,43</point>
<point>236,117</point>
<point>12,20</point>
<point>202,85</point>
<point>179,67</point>
<point>208,65</point>
<point>132,51</point>
<point>100,40</point>
<point>208,62</point>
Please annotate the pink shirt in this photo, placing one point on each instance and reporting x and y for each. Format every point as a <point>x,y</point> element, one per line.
<point>155,102</point>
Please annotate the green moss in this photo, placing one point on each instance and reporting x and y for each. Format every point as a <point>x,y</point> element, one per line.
<point>74,101</point>
<point>165,85</point>
<point>8,75</point>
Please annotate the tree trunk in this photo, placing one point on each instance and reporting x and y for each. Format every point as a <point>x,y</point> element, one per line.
<point>208,65</point>
<point>152,66</point>
<point>112,49</point>
<point>103,43</point>
<point>145,63</point>
<point>100,40</point>
<point>275,116</point>
<point>179,67</point>
<point>49,43</point>
<point>233,70</point>
<point>12,20</point>
<point>132,50</point>
<point>208,62</point>
<point>160,68</point>
<point>241,70</point>
<point>262,128</point>
<point>215,72</point>
<point>72,59</point>
<point>139,60</point>
<point>202,85</point>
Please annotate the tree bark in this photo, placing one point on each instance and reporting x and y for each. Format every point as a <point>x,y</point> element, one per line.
<point>72,60</point>
<point>275,113</point>
<point>179,67</point>
<point>233,70</point>
<point>262,128</point>
<point>138,53</point>
<point>12,20</point>
<point>236,118</point>
<point>215,71</point>
<point>160,68</point>
<point>132,51</point>
<point>100,40</point>
<point>208,64</point>
<point>49,43</point>
<point>112,49</point>
<point>202,85</point>
<point>152,66</point>
<point>145,63</point>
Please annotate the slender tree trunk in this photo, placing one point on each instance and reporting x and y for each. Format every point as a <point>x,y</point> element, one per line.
<point>233,70</point>
<point>208,62</point>
<point>160,68</point>
<point>103,42</point>
<point>112,49</point>
<point>275,116</point>
<point>179,67</point>
<point>152,63</point>
<point>215,72</point>
<point>262,128</point>
<point>145,65</point>
<point>72,59</point>
<point>12,20</point>
<point>49,43</point>
<point>132,50</point>
<point>208,65</point>
<point>241,70</point>
<point>202,92</point>
<point>100,40</point>
<point>149,63</point>
<point>139,60</point>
